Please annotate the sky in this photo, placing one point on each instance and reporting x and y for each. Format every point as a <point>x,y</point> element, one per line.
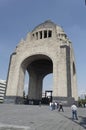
<point>18,17</point>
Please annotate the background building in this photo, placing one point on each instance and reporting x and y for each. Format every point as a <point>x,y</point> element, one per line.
<point>2,90</point>
<point>82,95</point>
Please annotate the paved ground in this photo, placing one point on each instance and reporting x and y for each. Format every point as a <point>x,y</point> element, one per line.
<point>28,117</point>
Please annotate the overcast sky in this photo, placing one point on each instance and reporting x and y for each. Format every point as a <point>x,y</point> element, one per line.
<point>18,17</point>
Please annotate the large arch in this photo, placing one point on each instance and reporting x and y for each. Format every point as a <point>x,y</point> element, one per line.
<point>38,66</point>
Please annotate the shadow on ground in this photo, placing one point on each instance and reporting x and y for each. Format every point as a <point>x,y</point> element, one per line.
<point>81,121</point>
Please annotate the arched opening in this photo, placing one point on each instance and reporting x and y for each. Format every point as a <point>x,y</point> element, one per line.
<point>26,81</point>
<point>47,89</point>
<point>36,68</point>
<point>48,82</point>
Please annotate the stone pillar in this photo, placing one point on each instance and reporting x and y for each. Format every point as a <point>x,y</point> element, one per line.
<point>68,66</point>
<point>62,77</point>
<point>20,88</point>
<point>35,85</point>
<point>12,79</point>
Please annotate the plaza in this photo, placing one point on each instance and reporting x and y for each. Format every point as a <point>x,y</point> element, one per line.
<point>35,117</point>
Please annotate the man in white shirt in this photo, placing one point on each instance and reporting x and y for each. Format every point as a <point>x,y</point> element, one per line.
<point>74,111</point>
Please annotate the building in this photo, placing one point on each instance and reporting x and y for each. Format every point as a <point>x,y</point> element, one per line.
<point>2,90</point>
<point>47,49</point>
<point>82,95</point>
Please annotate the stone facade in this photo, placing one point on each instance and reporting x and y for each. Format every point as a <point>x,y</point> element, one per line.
<point>45,50</point>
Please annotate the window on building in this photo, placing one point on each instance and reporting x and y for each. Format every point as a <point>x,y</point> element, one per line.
<point>45,34</point>
<point>49,33</point>
<point>36,35</point>
<point>65,35</point>
<point>40,33</point>
<point>33,36</point>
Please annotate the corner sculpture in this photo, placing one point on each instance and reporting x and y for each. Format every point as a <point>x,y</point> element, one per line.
<point>45,50</point>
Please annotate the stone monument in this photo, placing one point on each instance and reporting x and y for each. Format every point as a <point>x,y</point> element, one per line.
<point>45,50</point>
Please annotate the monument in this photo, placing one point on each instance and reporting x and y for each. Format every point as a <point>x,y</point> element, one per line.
<point>45,50</point>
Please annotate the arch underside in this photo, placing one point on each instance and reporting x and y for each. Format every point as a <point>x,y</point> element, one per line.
<point>38,67</point>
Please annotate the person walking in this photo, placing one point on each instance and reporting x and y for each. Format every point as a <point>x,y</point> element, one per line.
<point>60,107</point>
<point>74,111</point>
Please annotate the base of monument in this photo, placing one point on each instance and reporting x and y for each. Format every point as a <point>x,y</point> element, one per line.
<point>13,100</point>
<point>33,102</point>
<point>66,101</point>
<point>20,100</point>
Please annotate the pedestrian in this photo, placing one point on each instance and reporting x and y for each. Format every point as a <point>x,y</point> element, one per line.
<point>50,105</point>
<point>60,107</point>
<point>74,112</point>
<point>55,105</point>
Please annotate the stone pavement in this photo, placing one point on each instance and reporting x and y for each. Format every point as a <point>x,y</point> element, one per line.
<point>28,117</point>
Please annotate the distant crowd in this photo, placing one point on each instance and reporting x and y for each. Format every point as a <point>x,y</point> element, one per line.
<point>56,105</point>
<point>59,106</point>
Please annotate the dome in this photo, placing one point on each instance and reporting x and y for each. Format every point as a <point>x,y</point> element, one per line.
<point>46,24</point>
<point>47,29</point>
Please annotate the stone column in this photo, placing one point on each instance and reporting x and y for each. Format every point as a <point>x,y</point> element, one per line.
<point>35,85</point>
<point>20,88</point>
<point>12,80</point>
